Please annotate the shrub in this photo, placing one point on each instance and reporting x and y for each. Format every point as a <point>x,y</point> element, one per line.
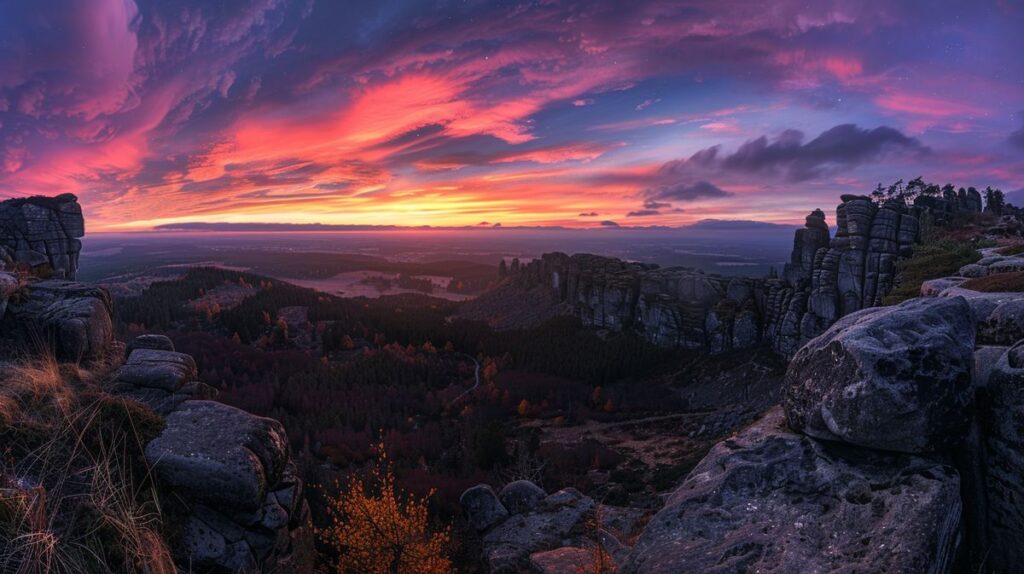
<point>930,261</point>
<point>378,530</point>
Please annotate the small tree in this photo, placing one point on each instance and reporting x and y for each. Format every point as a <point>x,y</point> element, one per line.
<point>379,530</point>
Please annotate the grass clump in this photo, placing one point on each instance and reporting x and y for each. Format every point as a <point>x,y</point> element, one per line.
<point>930,261</point>
<point>75,491</point>
<point>1012,282</point>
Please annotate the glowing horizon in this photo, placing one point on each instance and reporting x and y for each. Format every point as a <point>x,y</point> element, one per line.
<point>525,114</point>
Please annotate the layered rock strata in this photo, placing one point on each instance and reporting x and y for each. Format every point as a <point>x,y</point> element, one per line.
<point>42,235</point>
<point>826,278</point>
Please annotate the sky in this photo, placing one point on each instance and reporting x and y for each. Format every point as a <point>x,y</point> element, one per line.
<point>590,114</point>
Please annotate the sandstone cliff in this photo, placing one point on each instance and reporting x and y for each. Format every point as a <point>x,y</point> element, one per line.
<point>41,234</point>
<point>827,278</point>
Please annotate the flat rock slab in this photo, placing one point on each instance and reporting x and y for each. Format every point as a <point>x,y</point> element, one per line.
<point>220,455</point>
<point>156,369</point>
<point>892,378</point>
<point>566,560</point>
<point>933,287</point>
<point>775,502</point>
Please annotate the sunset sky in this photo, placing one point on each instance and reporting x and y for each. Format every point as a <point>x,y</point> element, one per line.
<point>520,113</point>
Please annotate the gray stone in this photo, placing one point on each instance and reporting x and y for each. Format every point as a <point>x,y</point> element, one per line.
<point>521,495</point>
<point>41,234</point>
<point>894,378</point>
<point>149,341</point>
<point>509,544</point>
<point>973,270</point>
<point>1004,325</point>
<point>482,507</point>
<point>73,318</point>
<point>775,502</point>
<point>164,370</point>
<point>219,455</point>
<point>933,287</point>
<point>1002,466</point>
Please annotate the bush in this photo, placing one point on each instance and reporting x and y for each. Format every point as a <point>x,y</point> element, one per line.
<point>930,261</point>
<point>377,530</point>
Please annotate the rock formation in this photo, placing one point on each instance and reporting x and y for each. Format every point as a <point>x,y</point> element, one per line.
<point>226,474</point>
<point>233,473</point>
<point>773,501</point>
<point>826,278</point>
<point>894,379</point>
<point>41,234</point>
<point>898,448</point>
<point>528,530</point>
<point>71,319</point>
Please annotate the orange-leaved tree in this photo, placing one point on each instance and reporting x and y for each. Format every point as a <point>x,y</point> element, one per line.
<point>377,529</point>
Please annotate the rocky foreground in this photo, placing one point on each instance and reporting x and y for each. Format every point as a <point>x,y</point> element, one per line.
<point>898,447</point>
<point>226,474</point>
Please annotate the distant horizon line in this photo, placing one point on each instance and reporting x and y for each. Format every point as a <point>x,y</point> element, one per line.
<point>710,224</point>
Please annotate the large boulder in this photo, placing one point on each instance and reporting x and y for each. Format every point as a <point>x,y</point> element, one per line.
<point>219,455</point>
<point>521,496</point>
<point>74,319</point>
<point>41,235</point>
<point>892,378</point>
<point>482,507</point>
<point>775,502</point>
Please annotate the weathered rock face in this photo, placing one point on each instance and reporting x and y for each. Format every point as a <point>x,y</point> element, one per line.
<point>773,501</point>
<point>894,378</point>
<point>233,472</point>
<point>545,533</point>
<point>1001,417</point>
<point>825,279</point>
<point>42,234</point>
<point>74,319</point>
<point>160,379</point>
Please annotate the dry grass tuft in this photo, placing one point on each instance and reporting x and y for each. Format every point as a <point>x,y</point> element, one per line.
<point>76,494</point>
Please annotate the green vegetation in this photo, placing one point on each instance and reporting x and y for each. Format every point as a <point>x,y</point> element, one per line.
<point>930,260</point>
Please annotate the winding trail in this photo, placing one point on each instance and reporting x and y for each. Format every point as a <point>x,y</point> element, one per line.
<point>476,376</point>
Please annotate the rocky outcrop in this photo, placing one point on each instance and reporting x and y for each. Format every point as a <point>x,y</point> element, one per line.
<point>888,378</point>
<point>160,379</point>
<point>826,278</point>
<point>773,501</point>
<point>72,319</point>
<point>556,533</point>
<point>233,472</point>
<point>855,271</point>
<point>999,524</point>
<point>41,235</point>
